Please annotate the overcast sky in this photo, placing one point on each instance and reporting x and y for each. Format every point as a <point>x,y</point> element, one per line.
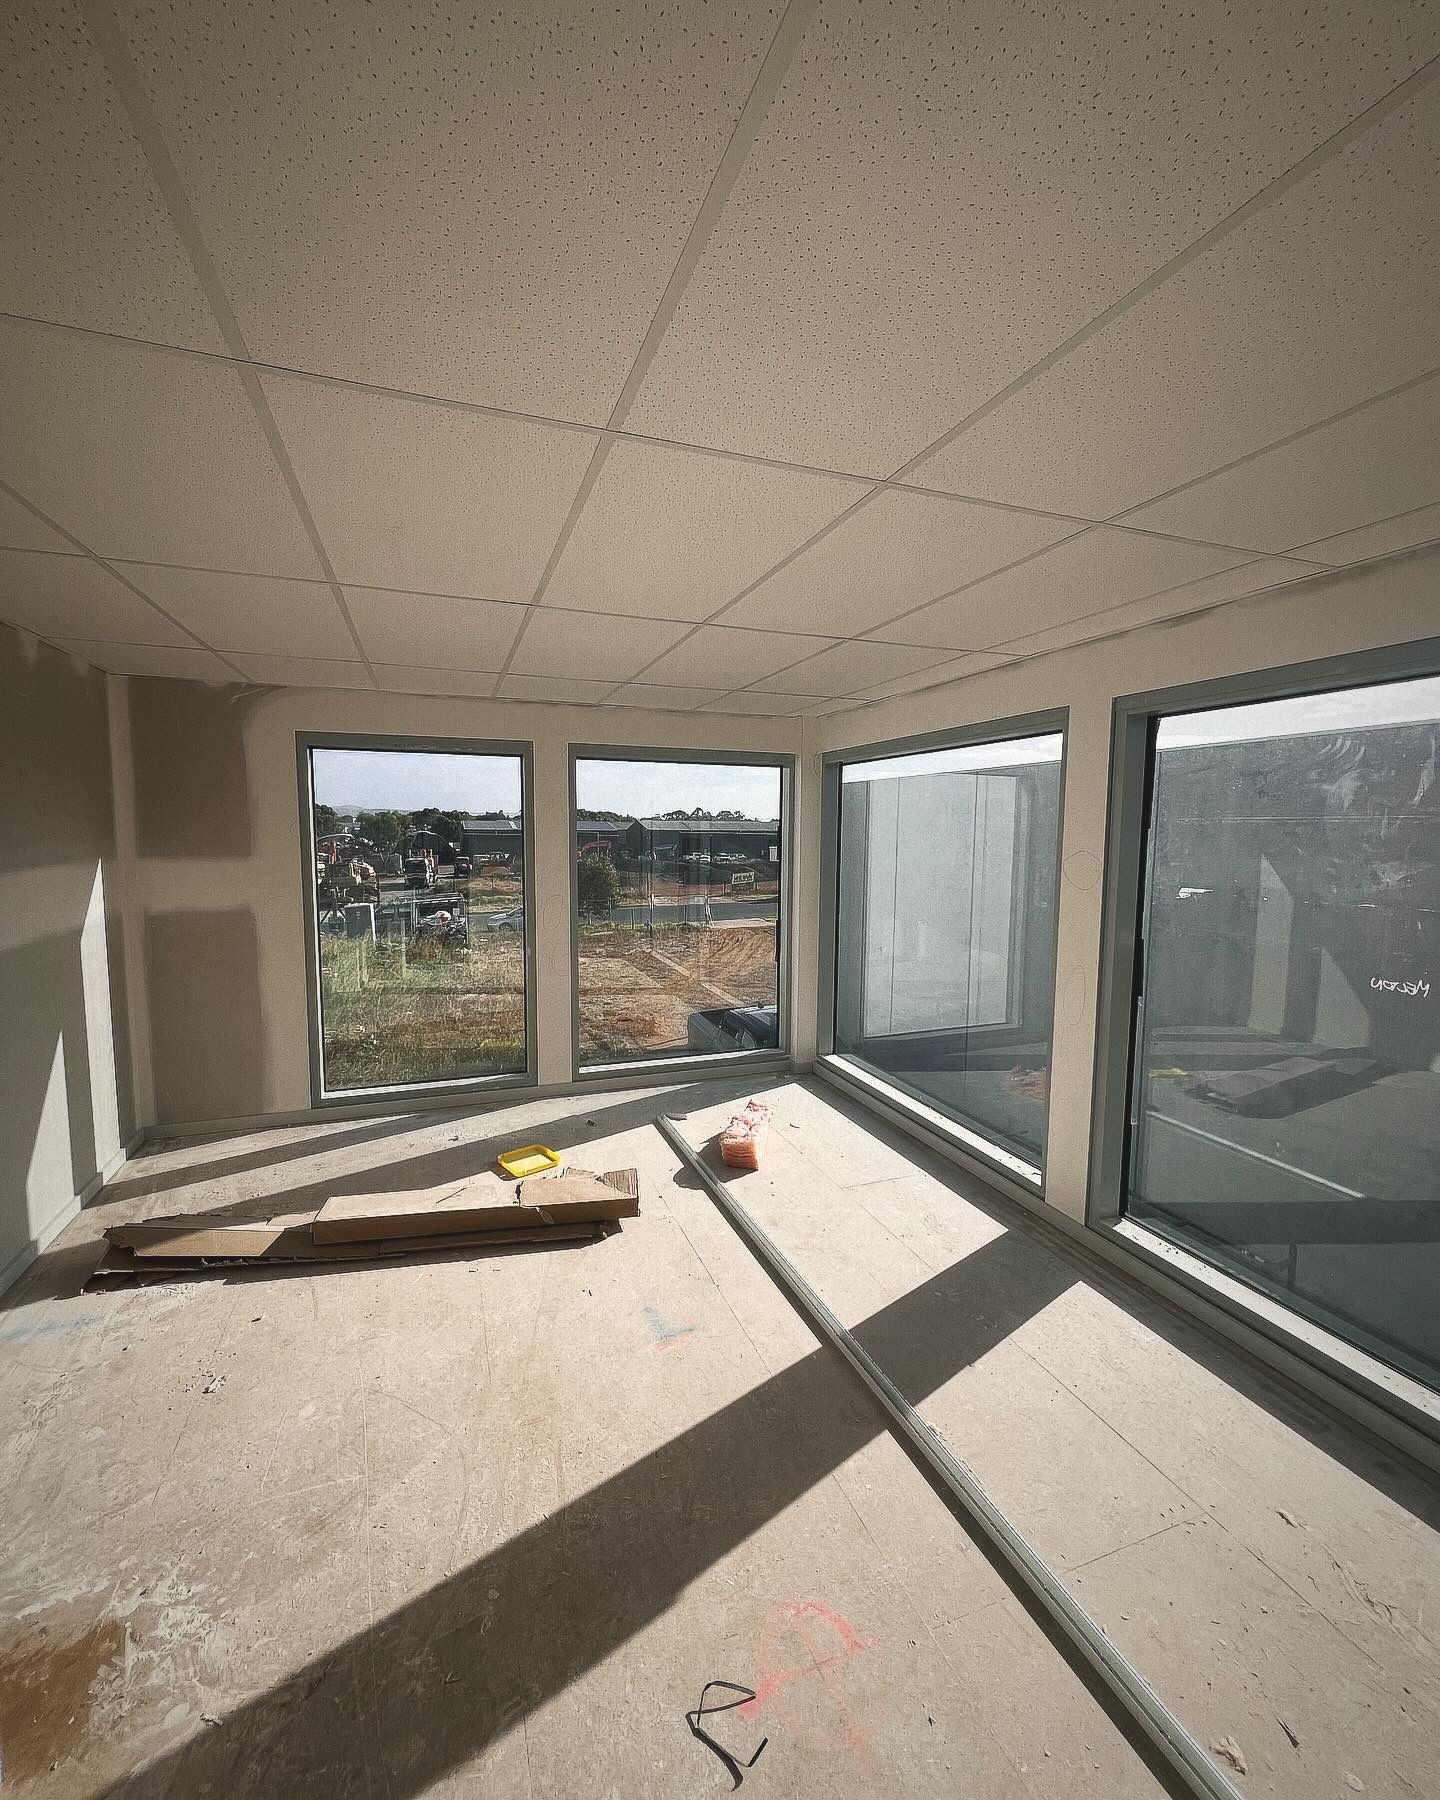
<point>405,780</point>
<point>1351,709</point>
<point>376,780</point>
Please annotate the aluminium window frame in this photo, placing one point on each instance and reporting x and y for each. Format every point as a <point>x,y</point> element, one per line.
<point>692,1063</point>
<point>1010,1173</point>
<point>1125,900</point>
<point>459,1087</point>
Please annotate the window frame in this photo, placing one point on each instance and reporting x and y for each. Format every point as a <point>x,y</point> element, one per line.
<point>1125,898</point>
<point>322,1098</point>
<point>999,1166</point>
<point>715,1062</point>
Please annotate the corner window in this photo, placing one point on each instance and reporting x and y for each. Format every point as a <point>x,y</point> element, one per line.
<point>945,932</point>
<point>416,884</point>
<point>1284,1101</point>
<point>678,896</point>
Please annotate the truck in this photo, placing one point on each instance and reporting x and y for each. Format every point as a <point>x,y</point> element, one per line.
<point>422,869</point>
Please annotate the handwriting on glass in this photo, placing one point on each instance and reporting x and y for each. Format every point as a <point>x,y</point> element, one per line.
<point>1420,987</point>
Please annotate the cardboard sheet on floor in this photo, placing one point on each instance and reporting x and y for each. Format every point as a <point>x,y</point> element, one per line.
<point>576,1197</point>
<point>293,1245</point>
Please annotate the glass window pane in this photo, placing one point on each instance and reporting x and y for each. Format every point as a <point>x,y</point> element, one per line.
<point>678,877</point>
<point>1285,1099</point>
<point>945,951</point>
<point>420,915</point>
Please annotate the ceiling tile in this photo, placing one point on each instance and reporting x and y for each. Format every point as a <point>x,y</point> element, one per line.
<point>550,687</point>
<point>665,699</point>
<point>88,240</point>
<point>570,644</point>
<point>1100,568</point>
<point>146,455</point>
<point>249,612</point>
<point>437,499</point>
<point>21,530</point>
<point>430,631</point>
<point>394,679</point>
<point>1383,460</point>
<point>302,671</point>
<point>71,596</point>
<point>896,551</point>
<point>753,704</point>
<point>1319,301</point>
<point>937,674</point>
<point>1263,573</point>
<point>1381,539</point>
<point>151,659</point>
<point>717,654</point>
<point>672,534</point>
<point>848,668</point>
<point>942,194</point>
<point>480,204</point>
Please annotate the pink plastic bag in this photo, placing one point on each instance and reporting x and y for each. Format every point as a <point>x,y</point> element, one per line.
<point>743,1139</point>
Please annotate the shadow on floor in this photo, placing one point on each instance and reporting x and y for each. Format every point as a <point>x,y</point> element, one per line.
<point>428,1687</point>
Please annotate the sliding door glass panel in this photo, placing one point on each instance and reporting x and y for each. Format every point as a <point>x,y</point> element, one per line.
<point>420,916</point>
<point>678,871</point>
<point>1285,1088</point>
<point>945,949</point>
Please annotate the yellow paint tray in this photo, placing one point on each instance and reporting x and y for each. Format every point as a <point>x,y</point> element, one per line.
<point>529,1159</point>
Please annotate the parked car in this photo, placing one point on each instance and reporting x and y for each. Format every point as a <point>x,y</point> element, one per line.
<point>463,866</point>
<point>514,920</point>
<point>734,1028</point>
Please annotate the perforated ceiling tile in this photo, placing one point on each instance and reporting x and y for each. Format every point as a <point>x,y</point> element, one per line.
<point>302,671</point>
<point>1382,539</point>
<point>1324,298</point>
<point>466,682</point>
<point>1383,460</point>
<point>21,530</point>
<point>673,535</point>
<point>249,612</point>
<point>552,688</point>
<point>753,704</point>
<point>577,646</point>
<point>430,498</point>
<point>87,238</point>
<point>70,596</point>
<point>457,200</point>
<point>937,674</point>
<point>1100,568</point>
<point>425,631</point>
<point>897,551</point>
<point>151,659</point>
<point>713,656</point>
<point>941,194</point>
<point>848,669</point>
<point>143,454</point>
<point>1265,573</point>
<point>663,699</point>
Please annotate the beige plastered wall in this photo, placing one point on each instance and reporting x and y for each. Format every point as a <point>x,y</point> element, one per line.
<point>1386,603</point>
<point>211,829</point>
<point>67,1108</point>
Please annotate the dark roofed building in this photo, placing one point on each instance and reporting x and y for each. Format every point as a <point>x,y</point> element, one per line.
<point>672,840</point>
<point>491,835</point>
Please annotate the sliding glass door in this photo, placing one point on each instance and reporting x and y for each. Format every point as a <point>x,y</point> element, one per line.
<point>1285,1076</point>
<point>945,932</point>
<point>416,897</point>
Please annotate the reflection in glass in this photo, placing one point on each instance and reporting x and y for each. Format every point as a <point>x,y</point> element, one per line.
<point>945,951</point>
<point>420,915</point>
<point>678,868</point>
<point>1286,1095</point>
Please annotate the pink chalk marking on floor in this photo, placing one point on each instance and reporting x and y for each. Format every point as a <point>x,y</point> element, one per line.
<point>831,1641</point>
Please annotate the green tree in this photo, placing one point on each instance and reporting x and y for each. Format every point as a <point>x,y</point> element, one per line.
<point>326,820</point>
<point>385,830</point>
<point>598,886</point>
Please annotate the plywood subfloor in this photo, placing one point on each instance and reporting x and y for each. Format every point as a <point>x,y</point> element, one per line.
<point>486,1525</point>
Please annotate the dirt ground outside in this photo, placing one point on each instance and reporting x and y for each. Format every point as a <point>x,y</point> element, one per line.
<point>639,984</point>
